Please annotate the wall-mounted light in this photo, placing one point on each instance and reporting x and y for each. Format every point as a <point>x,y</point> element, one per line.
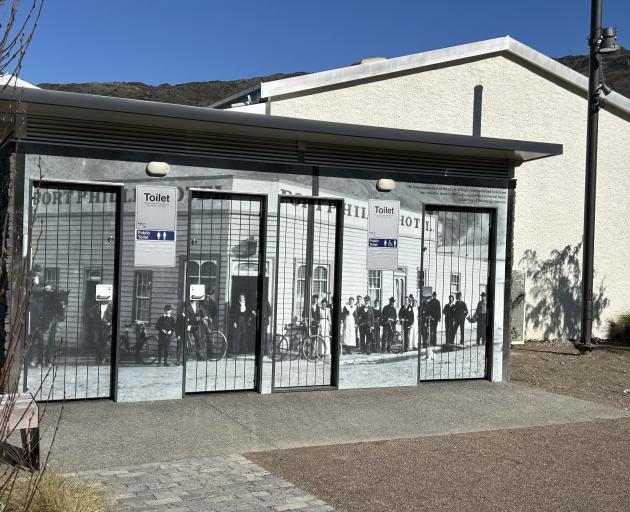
<point>385,185</point>
<point>158,169</point>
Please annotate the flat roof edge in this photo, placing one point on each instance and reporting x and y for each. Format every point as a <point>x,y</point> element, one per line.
<point>65,103</point>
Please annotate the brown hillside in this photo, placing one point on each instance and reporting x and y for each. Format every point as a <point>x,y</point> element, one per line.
<point>616,69</point>
<point>199,94</point>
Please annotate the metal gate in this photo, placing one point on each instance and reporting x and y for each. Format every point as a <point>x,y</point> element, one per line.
<point>73,304</point>
<point>308,284</point>
<point>225,306</point>
<point>457,294</point>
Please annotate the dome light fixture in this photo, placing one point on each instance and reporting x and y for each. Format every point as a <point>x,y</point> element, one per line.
<point>385,185</point>
<point>158,169</point>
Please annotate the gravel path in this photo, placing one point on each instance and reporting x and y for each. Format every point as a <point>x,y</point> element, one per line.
<point>576,467</point>
<point>601,376</point>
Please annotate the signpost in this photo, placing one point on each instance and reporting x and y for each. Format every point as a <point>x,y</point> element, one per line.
<point>382,243</point>
<point>156,224</point>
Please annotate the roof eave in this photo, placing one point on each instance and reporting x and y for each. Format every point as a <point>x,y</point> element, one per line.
<point>148,113</point>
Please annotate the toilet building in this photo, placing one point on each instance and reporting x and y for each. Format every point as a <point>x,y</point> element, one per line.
<point>246,264</point>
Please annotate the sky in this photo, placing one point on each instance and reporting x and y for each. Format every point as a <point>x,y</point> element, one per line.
<point>175,41</point>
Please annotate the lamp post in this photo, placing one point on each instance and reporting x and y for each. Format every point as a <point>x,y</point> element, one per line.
<point>601,40</point>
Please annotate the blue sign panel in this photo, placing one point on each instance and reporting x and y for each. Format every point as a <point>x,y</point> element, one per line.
<point>383,242</point>
<point>155,235</point>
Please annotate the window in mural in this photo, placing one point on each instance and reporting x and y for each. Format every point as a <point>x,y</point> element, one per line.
<point>142,304</point>
<point>51,277</point>
<point>320,283</point>
<point>455,282</point>
<point>203,272</point>
<point>375,284</point>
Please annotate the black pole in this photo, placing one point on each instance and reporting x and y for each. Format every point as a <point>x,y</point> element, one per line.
<point>588,248</point>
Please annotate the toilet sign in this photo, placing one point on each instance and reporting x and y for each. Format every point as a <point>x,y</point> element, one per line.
<point>156,222</point>
<point>382,242</point>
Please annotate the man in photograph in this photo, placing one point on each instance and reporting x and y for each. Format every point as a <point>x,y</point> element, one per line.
<point>480,317</point>
<point>434,315</point>
<point>407,318</point>
<point>365,317</point>
<point>101,324</point>
<point>389,317</point>
<point>165,327</point>
<point>449,320</point>
<point>376,334</point>
<point>460,313</point>
<point>312,315</point>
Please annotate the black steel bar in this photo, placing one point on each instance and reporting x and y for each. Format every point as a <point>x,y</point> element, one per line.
<point>422,280</point>
<point>118,292</point>
<point>336,311</point>
<point>590,185</point>
<point>261,338</point>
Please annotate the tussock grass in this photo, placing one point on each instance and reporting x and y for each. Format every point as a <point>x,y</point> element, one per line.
<point>58,493</point>
<point>619,328</point>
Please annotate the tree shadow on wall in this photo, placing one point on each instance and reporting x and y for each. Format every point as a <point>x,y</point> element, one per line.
<point>555,293</point>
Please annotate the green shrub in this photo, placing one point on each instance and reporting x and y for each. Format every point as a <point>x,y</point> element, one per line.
<point>58,493</point>
<point>619,328</point>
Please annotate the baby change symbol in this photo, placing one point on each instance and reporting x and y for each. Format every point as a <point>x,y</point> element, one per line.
<point>155,235</point>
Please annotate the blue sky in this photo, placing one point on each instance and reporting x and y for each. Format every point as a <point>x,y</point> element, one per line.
<point>157,41</point>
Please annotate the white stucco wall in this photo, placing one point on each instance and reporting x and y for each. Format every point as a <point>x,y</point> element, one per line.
<point>518,103</point>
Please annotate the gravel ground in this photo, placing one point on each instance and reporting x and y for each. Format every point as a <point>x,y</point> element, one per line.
<point>601,376</point>
<point>576,467</point>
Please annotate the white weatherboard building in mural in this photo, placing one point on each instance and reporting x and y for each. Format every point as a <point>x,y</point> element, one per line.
<point>500,88</point>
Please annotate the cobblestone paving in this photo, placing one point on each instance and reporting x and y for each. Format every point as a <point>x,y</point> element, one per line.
<point>209,484</point>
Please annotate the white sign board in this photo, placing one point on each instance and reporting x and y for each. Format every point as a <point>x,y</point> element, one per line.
<point>382,243</point>
<point>156,222</point>
<point>104,291</point>
<point>197,291</point>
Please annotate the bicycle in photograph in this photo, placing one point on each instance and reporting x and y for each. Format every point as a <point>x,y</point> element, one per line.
<point>206,342</point>
<point>298,342</point>
<point>143,350</point>
<point>397,344</point>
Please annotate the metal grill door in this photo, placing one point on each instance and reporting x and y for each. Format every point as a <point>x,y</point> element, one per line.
<point>225,306</point>
<point>308,282</point>
<point>73,307</point>
<point>456,304</point>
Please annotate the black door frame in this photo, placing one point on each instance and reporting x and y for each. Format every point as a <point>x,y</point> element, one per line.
<point>492,244</point>
<point>260,289</point>
<point>335,344</point>
<point>87,186</point>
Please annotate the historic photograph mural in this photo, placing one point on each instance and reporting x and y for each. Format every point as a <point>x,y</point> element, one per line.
<point>266,294</point>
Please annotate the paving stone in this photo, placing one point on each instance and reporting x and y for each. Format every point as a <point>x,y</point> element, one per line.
<point>212,484</point>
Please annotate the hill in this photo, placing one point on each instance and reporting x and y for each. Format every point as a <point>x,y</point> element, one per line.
<point>616,70</point>
<point>199,94</point>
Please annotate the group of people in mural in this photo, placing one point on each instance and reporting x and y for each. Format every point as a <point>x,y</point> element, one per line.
<point>367,328</point>
<point>47,308</point>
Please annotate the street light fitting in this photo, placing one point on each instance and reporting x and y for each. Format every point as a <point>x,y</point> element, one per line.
<point>604,89</point>
<point>608,41</point>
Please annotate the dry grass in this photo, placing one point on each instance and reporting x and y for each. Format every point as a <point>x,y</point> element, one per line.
<point>57,493</point>
<point>619,328</point>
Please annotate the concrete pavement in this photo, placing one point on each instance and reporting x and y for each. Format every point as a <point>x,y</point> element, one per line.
<point>102,434</point>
